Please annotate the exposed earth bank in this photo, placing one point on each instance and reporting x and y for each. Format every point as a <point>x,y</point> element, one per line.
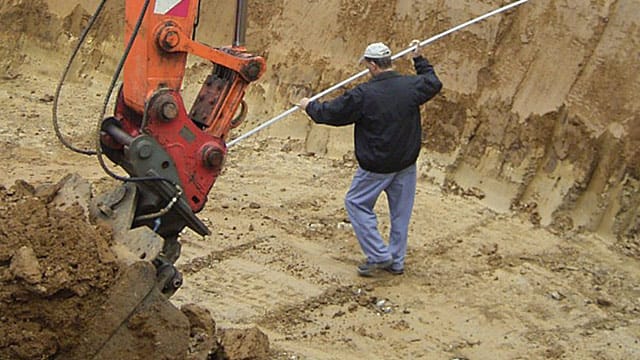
<point>539,107</point>
<point>524,242</point>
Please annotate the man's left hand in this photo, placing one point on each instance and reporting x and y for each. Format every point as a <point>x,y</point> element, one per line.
<point>303,103</point>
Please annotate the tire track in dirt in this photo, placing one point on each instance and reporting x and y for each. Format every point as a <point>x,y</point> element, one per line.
<point>196,264</point>
<point>362,295</point>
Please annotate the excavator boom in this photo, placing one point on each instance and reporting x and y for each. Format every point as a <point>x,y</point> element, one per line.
<point>174,154</point>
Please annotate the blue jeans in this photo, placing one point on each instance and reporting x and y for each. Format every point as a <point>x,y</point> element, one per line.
<point>360,200</point>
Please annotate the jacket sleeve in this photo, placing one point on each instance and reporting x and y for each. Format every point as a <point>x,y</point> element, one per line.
<point>429,84</point>
<point>343,110</point>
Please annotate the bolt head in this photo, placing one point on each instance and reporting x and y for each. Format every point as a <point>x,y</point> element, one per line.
<point>169,110</point>
<point>145,151</point>
<point>213,158</point>
<point>172,39</point>
<point>252,70</point>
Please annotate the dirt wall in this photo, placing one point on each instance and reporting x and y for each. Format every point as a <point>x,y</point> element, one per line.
<point>538,113</point>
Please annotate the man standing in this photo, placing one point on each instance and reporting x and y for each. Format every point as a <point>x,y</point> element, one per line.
<point>388,137</point>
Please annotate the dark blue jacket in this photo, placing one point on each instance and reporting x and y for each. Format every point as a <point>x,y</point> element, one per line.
<point>386,114</point>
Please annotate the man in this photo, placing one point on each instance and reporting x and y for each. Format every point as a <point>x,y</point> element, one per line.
<point>388,130</point>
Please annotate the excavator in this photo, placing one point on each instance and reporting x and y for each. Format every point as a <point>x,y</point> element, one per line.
<point>172,156</point>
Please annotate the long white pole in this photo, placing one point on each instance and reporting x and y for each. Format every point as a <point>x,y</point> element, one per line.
<point>364,72</point>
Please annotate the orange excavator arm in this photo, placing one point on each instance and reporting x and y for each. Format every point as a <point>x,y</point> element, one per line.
<point>173,155</point>
<point>158,58</point>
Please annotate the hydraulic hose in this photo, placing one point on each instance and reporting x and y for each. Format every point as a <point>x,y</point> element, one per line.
<point>76,50</point>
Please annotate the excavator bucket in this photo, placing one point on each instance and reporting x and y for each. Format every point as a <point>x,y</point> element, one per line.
<point>116,210</point>
<point>137,316</point>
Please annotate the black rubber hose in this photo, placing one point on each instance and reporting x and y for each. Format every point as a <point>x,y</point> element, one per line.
<point>56,125</point>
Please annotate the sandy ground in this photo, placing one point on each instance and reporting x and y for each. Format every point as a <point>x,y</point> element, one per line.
<point>483,280</point>
<point>478,284</point>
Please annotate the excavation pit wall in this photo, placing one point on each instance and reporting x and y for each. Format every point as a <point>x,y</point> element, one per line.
<point>538,113</point>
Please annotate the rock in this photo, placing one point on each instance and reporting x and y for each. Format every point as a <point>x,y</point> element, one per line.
<point>244,344</point>
<point>203,331</point>
<point>603,302</point>
<point>345,226</point>
<point>489,249</point>
<point>475,192</point>
<point>25,265</point>
<point>73,189</point>
<point>556,295</point>
<point>254,205</point>
<point>200,319</point>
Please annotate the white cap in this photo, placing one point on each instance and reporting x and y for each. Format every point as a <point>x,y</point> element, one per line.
<point>376,51</point>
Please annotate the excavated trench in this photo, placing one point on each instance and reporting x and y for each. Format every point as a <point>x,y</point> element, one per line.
<point>539,115</point>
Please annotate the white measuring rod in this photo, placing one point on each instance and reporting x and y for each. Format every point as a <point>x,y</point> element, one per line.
<point>364,72</point>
